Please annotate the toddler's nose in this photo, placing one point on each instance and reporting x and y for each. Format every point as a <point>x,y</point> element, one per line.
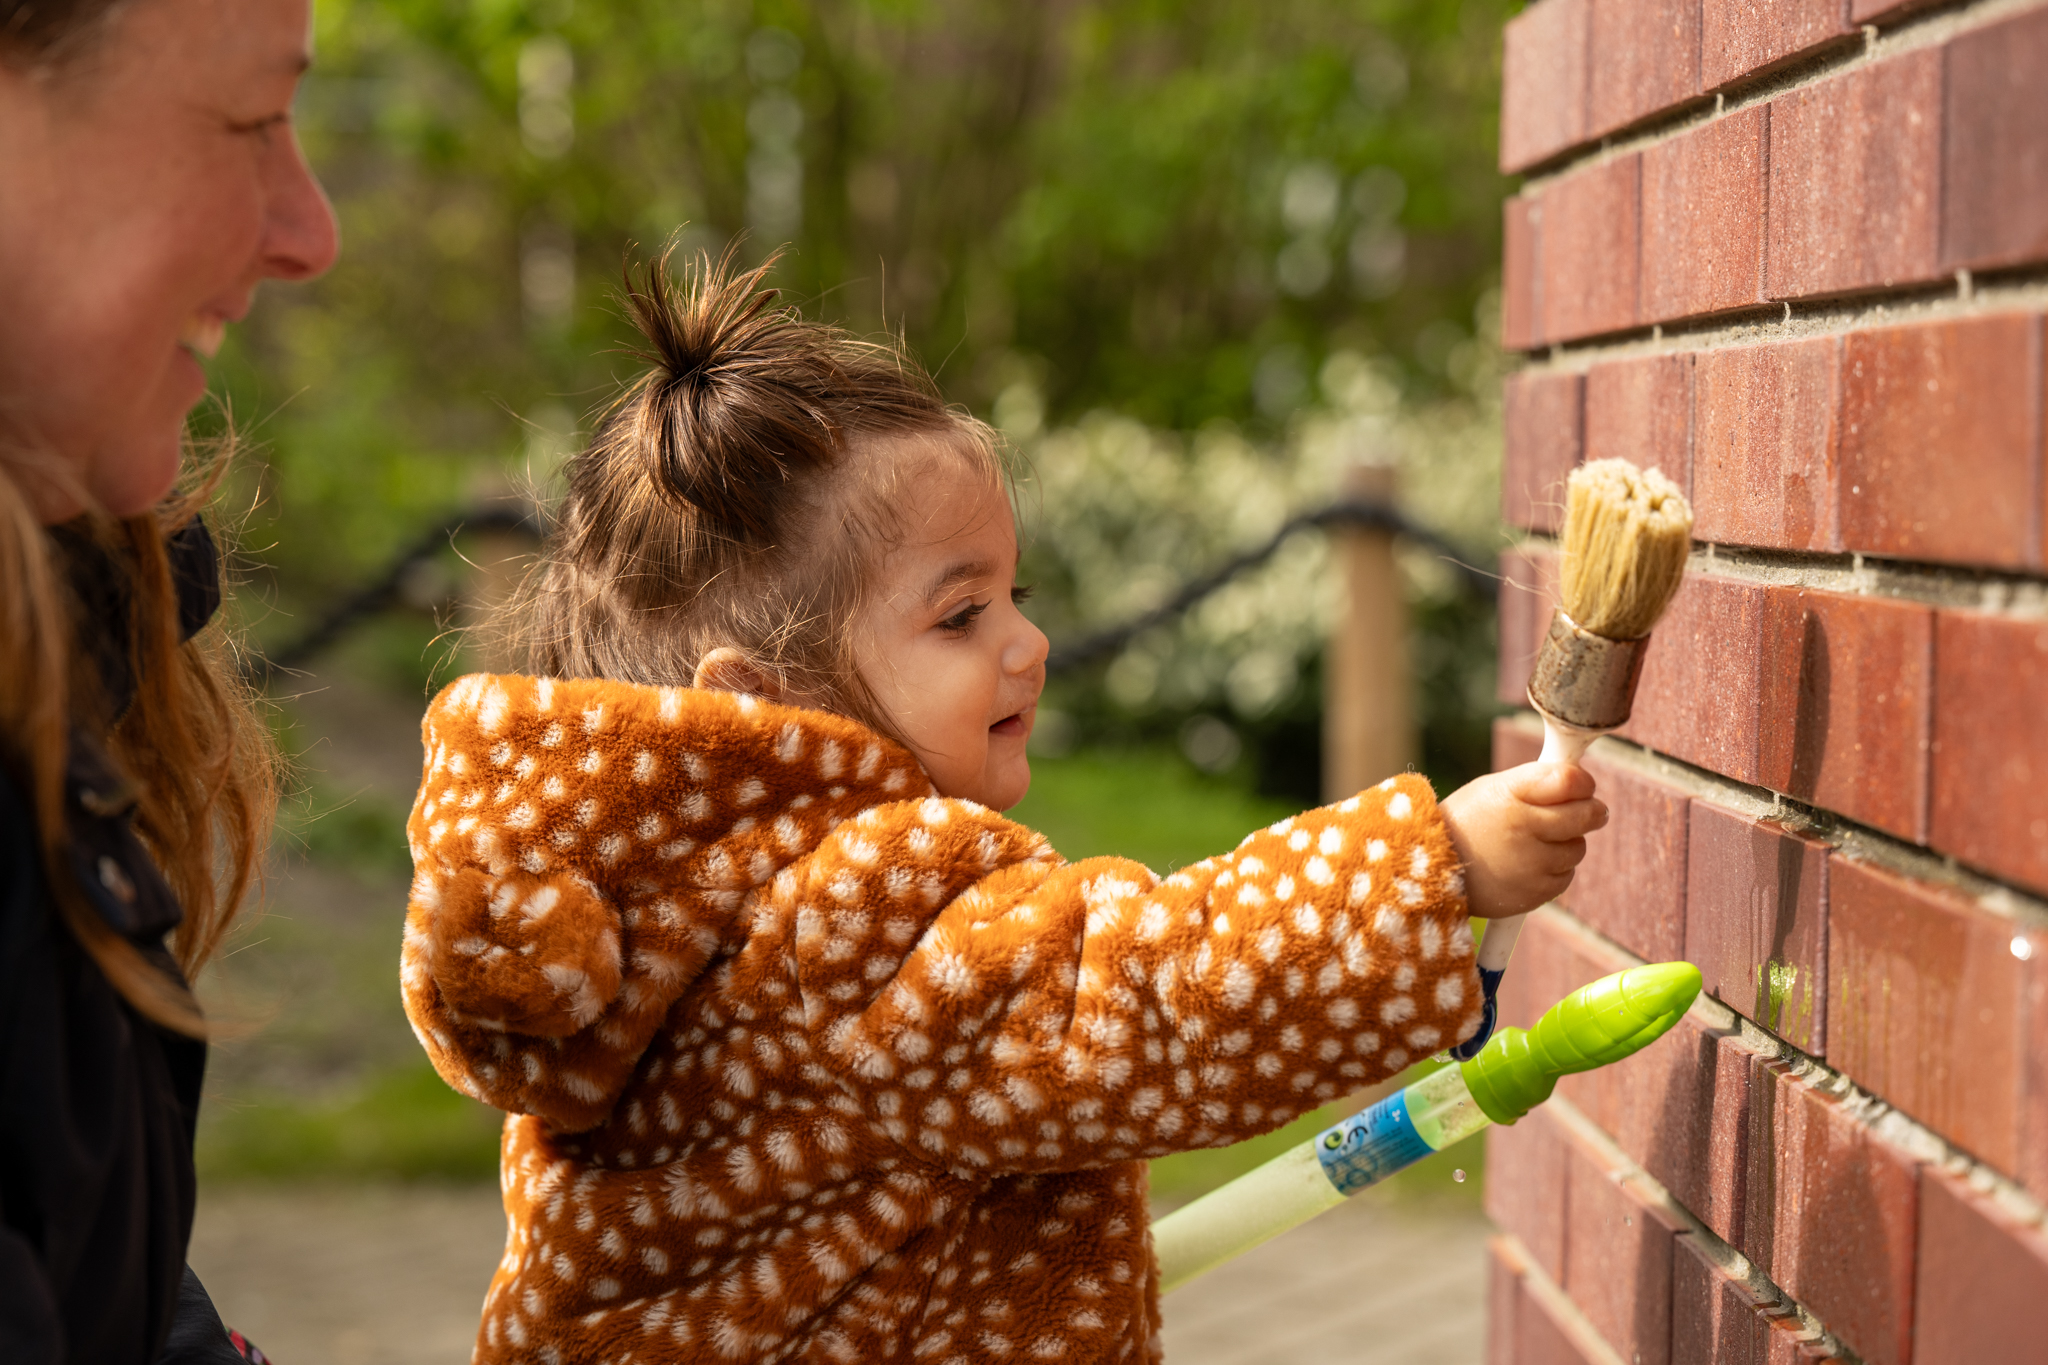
<point>1027,650</point>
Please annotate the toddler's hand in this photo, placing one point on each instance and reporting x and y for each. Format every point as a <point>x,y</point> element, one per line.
<point>1520,833</point>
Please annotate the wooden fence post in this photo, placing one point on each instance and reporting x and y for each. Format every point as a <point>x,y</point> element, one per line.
<point>1368,706</point>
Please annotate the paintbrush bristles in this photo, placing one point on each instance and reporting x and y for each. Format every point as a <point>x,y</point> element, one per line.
<point>1627,534</point>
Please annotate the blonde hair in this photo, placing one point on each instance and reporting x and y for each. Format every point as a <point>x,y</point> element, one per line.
<point>202,763</point>
<point>739,493</point>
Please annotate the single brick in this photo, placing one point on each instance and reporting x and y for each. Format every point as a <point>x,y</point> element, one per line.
<point>1831,1215</point>
<point>1925,1006</point>
<point>1525,1169</point>
<point>1643,58</point>
<point>1756,898</point>
<point>2032,948</point>
<point>1698,699</point>
<point>1764,444</point>
<point>1703,220</point>
<point>1617,1262</point>
<point>1631,887</point>
<point>1587,261</point>
<point>1847,690</point>
<point>1994,208</point>
<point>1983,1279</point>
<point>1715,1319</point>
<point>1747,37</point>
<point>1641,410</point>
<point>1941,442</point>
<point>1542,83</point>
<point>1990,801</point>
<point>1528,594</point>
<point>1856,179</point>
<point>1544,418</point>
<point>1520,224</point>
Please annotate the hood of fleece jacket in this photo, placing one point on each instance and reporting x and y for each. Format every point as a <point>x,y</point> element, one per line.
<point>582,851</point>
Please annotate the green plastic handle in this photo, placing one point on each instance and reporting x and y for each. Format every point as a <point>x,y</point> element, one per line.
<point>1603,1022</point>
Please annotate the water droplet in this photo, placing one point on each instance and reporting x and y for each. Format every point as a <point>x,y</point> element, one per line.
<point>1458,1176</point>
<point>2022,947</point>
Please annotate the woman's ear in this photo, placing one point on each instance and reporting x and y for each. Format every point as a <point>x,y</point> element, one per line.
<point>726,669</point>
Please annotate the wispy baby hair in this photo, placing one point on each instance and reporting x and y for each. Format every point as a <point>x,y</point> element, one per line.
<point>739,492</point>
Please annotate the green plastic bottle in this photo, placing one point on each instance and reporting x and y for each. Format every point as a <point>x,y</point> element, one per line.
<point>1612,1018</point>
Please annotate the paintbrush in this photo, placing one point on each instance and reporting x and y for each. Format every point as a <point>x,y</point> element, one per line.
<point>1627,535</point>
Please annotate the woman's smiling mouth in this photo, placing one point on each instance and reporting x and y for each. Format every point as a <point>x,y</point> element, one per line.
<point>203,334</point>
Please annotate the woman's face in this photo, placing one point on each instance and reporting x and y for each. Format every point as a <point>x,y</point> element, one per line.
<point>145,189</point>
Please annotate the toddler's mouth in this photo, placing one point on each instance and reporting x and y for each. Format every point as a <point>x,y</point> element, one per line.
<point>1016,726</point>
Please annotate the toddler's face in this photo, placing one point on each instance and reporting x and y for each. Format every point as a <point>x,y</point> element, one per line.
<point>942,645</point>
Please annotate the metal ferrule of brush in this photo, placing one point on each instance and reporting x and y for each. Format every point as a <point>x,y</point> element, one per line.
<point>1587,681</point>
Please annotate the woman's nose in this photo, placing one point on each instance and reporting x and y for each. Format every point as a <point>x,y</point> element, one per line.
<point>300,236</point>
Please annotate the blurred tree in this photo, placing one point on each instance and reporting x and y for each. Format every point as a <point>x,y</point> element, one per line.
<point>1175,211</point>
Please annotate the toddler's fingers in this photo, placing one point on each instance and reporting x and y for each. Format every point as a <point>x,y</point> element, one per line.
<point>1550,784</point>
<point>1571,820</point>
<point>1550,885</point>
<point>1561,857</point>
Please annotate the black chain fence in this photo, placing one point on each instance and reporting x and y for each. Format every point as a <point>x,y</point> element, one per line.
<point>381,592</point>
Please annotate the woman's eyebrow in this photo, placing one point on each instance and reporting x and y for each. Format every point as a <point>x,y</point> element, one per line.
<point>956,575</point>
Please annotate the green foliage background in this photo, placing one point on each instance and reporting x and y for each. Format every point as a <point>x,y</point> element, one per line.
<point>1176,211</point>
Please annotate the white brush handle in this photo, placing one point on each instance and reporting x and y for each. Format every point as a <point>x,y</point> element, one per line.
<point>1561,744</point>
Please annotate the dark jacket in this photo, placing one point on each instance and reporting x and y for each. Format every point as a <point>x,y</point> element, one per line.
<point>97,1105</point>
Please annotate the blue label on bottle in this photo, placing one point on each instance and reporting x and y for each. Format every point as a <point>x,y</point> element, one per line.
<point>1368,1147</point>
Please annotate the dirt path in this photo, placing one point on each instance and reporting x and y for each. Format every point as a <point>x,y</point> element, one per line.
<point>394,1275</point>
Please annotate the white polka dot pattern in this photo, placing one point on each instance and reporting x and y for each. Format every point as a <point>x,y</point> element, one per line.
<point>807,1063</point>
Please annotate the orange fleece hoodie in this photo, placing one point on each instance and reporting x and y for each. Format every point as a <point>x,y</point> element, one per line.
<point>807,1063</point>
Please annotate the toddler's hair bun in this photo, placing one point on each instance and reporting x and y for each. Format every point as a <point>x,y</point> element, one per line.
<point>739,401</point>
<point>740,492</point>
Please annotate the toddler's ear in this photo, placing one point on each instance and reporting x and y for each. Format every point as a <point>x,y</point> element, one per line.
<point>726,669</point>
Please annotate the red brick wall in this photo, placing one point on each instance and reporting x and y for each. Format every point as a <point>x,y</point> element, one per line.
<point>1795,254</point>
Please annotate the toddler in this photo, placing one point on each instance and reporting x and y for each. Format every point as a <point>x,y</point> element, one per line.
<point>809,1054</point>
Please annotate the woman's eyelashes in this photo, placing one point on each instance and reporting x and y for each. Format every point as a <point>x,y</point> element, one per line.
<point>260,128</point>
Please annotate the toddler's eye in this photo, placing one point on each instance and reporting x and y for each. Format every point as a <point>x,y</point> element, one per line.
<point>960,620</point>
<point>1022,593</point>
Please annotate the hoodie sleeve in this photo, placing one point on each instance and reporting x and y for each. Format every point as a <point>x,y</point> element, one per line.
<point>1059,1015</point>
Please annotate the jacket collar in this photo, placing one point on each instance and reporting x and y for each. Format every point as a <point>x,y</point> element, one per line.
<point>102,583</point>
<point>112,867</point>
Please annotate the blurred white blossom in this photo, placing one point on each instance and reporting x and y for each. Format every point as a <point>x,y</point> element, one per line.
<point>1120,515</point>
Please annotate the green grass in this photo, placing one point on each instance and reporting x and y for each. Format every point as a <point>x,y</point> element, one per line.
<point>403,1124</point>
<point>362,833</point>
<point>1147,804</point>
